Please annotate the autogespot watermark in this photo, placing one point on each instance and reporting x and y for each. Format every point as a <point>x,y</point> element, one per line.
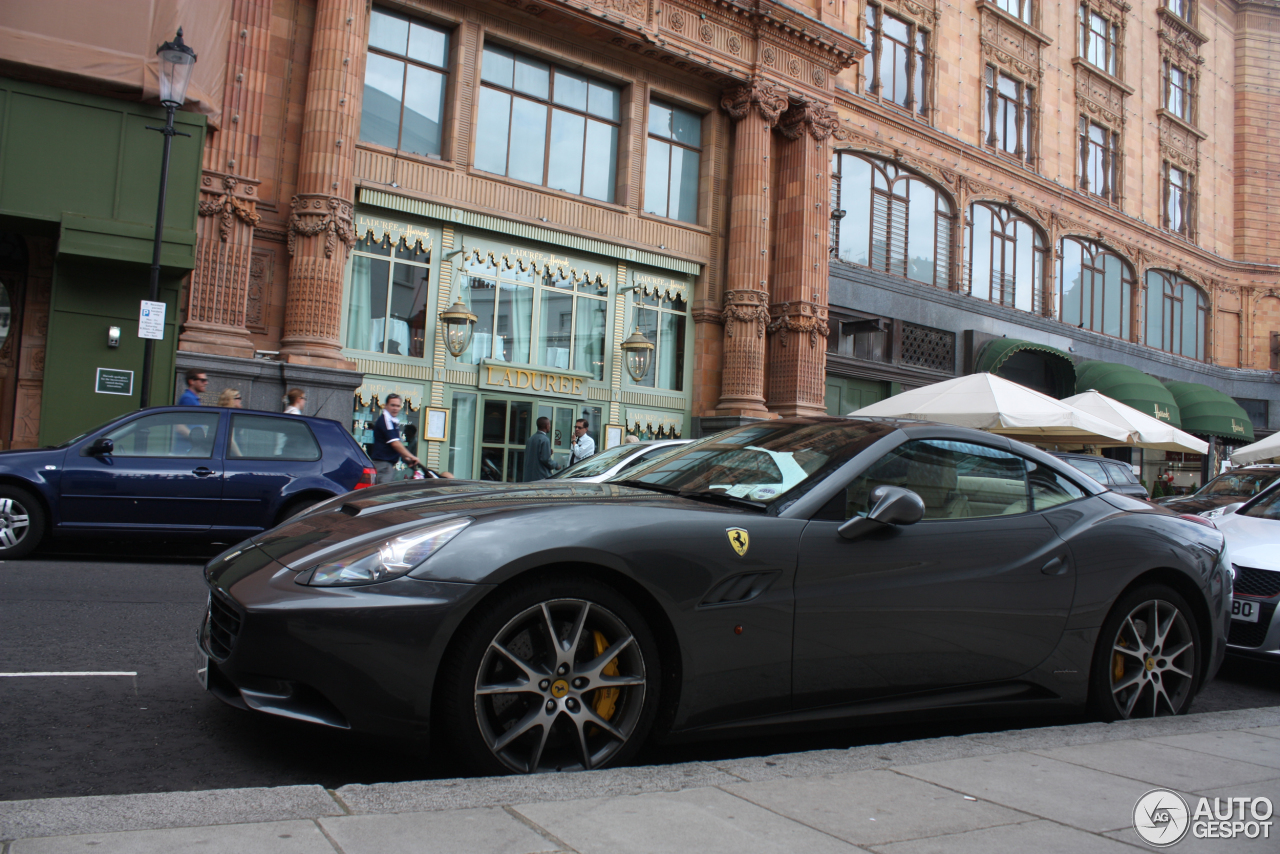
<point>1162,818</point>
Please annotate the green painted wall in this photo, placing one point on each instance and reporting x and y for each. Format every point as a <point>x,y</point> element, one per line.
<point>86,169</point>
<point>87,298</point>
<point>844,394</point>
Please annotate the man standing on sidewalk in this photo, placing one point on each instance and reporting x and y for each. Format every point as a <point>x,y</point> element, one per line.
<point>197,381</point>
<point>583,445</point>
<point>538,462</point>
<point>388,446</point>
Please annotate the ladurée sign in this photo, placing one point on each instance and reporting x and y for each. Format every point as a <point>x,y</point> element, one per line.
<point>532,380</point>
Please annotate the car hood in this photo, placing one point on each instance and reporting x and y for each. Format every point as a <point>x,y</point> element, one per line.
<point>1251,541</point>
<point>1191,504</point>
<point>367,516</point>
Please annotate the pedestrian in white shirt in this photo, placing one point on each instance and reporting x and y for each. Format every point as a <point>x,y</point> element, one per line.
<point>583,445</point>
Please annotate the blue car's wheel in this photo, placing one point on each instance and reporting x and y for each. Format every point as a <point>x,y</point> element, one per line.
<point>22,522</point>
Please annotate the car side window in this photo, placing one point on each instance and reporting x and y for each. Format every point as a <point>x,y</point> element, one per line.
<point>1091,468</point>
<point>1120,474</point>
<point>956,480</point>
<point>166,434</point>
<point>1048,488</point>
<point>258,437</point>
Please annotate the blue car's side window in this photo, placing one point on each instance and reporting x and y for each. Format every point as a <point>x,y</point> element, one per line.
<point>258,437</point>
<point>167,434</point>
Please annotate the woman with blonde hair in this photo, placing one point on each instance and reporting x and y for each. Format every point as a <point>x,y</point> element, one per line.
<point>294,400</point>
<point>230,397</point>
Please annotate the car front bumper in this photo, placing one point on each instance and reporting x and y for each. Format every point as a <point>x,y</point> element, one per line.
<point>362,658</point>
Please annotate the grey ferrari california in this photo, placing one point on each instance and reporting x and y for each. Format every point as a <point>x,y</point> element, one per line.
<point>794,573</point>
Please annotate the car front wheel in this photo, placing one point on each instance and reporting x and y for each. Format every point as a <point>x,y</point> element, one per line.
<point>22,523</point>
<point>1147,662</point>
<point>556,675</point>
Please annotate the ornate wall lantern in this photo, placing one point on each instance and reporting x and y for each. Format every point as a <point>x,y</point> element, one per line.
<point>637,353</point>
<point>459,323</point>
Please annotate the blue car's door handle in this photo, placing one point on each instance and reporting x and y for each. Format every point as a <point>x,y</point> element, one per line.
<point>202,471</point>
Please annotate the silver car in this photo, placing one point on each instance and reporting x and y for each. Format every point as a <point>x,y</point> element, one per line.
<point>619,458</point>
<point>1252,530</point>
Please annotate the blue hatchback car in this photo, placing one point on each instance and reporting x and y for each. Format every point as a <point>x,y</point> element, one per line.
<point>174,472</point>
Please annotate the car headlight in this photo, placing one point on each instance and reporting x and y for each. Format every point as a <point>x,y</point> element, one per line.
<point>1214,513</point>
<point>388,559</point>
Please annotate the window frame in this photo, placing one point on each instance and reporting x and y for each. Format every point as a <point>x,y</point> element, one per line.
<point>674,143</point>
<point>1113,40</point>
<point>1174,290</point>
<point>392,258</point>
<point>1186,200</point>
<point>1024,13</point>
<point>1110,153</point>
<point>918,69</point>
<point>552,106</point>
<point>1093,259</point>
<point>1009,217</point>
<point>404,58</point>
<point>1186,91</point>
<point>661,306</point>
<point>1025,106</point>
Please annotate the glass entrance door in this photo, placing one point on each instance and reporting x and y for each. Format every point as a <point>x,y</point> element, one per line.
<point>505,427</point>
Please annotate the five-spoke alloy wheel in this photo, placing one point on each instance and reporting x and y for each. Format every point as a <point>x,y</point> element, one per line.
<point>561,676</point>
<point>1148,660</point>
<point>21,523</point>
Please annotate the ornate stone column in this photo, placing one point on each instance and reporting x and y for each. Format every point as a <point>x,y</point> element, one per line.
<point>755,108</point>
<point>798,304</point>
<point>320,228</point>
<point>215,319</point>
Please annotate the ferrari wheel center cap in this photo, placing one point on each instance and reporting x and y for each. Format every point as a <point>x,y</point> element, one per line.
<point>1151,664</point>
<point>559,688</point>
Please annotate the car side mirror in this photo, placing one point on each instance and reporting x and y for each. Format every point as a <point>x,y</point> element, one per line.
<point>101,447</point>
<point>892,505</point>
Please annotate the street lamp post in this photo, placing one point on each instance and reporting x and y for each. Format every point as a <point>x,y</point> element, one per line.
<point>177,61</point>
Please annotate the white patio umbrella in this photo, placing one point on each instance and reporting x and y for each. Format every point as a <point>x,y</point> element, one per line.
<point>988,402</point>
<point>1263,449</point>
<point>1144,431</point>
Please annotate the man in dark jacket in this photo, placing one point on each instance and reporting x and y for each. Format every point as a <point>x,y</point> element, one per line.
<point>538,462</point>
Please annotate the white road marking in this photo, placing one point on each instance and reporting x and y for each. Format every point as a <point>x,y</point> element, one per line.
<point>77,673</point>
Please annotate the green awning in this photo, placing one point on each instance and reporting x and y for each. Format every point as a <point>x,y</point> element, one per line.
<point>1208,412</point>
<point>994,354</point>
<point>1131,387</point>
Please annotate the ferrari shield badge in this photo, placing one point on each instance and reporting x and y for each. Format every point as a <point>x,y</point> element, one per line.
<point>739,539</point>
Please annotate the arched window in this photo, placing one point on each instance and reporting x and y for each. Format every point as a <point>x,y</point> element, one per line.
<point>1177,318</point>
<point>1005,257</point>
<point>889,219</point>
<point>1095,287</point>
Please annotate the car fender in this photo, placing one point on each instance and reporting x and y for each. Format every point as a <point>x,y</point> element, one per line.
<point>39,473</point>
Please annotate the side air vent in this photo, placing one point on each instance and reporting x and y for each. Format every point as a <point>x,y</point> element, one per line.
<point>739,588</point>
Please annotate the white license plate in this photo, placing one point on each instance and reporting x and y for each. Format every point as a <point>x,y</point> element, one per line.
<point>202,667</point>
<point>1244,610</point>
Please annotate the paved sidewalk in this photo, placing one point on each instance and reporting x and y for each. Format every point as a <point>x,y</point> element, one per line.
<point>1055,790</point>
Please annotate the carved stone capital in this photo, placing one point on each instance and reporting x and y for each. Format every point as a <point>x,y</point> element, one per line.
<point>708,315</point>
<point>227,206</point>
<point>817,119</point>
<point>315,214</point>
<point>747,307</point>
<point>803,318</point>
<point>738,101</point>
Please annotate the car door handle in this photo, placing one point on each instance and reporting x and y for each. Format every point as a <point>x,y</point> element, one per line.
<point>202,471</point>
<point>1057,566</point>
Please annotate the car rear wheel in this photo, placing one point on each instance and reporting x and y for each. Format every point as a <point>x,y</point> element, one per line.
<point>1147,663</point>
<point>22,522</point>
<point>556,675</point>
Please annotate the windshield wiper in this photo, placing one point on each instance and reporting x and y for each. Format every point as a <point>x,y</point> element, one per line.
<point>720,496</point>
<point>644,484</point>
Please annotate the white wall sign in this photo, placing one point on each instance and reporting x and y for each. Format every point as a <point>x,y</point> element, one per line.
<point>151,320</point>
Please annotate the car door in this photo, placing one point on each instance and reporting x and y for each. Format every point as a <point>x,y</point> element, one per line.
<point>163,473</point>
<point>976,592</point>
<point>264,455</point>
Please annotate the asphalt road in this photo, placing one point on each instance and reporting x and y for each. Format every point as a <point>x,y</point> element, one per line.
<point>62,736</point>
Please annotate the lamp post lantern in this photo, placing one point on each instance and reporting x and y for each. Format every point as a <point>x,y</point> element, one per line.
<point>459,323</point>
<point>177,61</point>
<point>638,353</point>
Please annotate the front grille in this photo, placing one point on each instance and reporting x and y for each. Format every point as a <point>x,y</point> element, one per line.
<point>1258,583</point>
<point>1252,634</point>
<point>224,625</point>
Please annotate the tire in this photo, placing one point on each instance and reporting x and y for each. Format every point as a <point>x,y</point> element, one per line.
<point>1133,674</point>
<point>22,522</point>
<point>513,701</point>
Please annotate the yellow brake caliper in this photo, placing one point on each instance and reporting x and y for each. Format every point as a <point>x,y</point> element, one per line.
<point>1117,665</point>
<point>606,699</point>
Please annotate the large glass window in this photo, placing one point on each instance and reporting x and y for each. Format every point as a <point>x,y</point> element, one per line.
<point>1099,40</point>
<point>1099,160</point>
<point>1177,91</point>
<point>535,314</point>
<point>1006,257</point>
<point>897,67</point>
<point>671,162</point>
<point>405,81</point>
<point>893,221</point>
<point>1179,209</point>
<point>387,301</point>
<point>660,317</point>
<point>1177,318</point>
<point>1020,9</point>
<point>547,125</point>
<point>1008,122</point>
<point>1095,287</point>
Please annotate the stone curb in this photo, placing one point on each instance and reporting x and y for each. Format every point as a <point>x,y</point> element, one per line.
<point>69,816</point>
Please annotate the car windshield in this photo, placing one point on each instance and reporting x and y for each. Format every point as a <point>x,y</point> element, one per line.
<point>1266,507</point>
<point>599,463</point>
<point>761,462</point>
<point>1241,483</point>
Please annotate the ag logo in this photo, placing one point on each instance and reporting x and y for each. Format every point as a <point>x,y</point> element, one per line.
<point>739,539</point>
<point>1161,818</point>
